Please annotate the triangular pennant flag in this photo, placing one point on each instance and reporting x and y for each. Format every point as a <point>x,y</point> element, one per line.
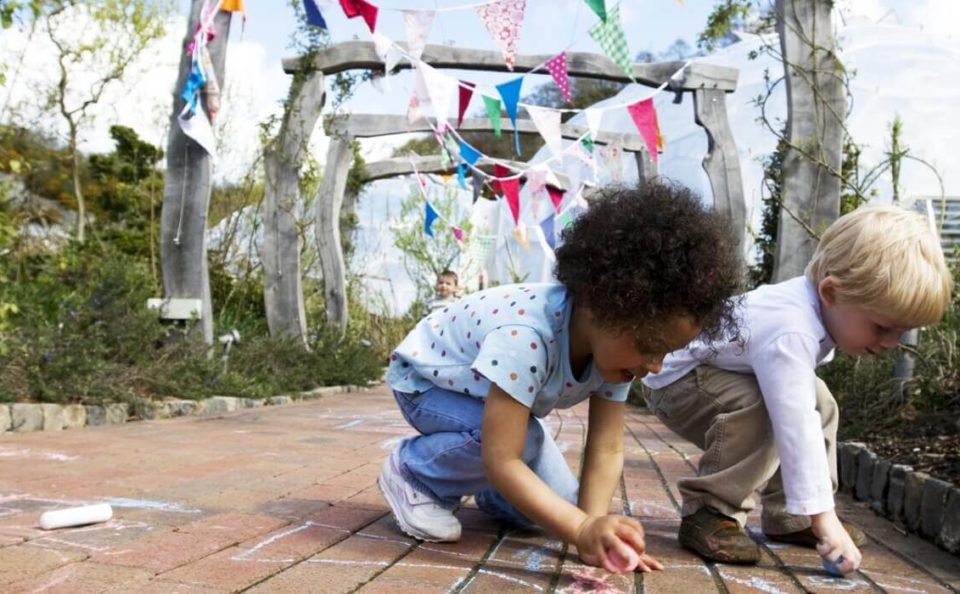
<point>441,89</point>
<point>477,185</point>
<point>536,181</point>
<point>431,216</point>
<point>599,7</point>
<point>232,5</point>
<point>418,23</point>
<point>511,191</point>
<point>547,122</point>
<point>499,170</point>
<point>314,17</point>
<point>362,8</point>
<point>611,159</point>
<point>557,66</point>
<point>493,112</point>
<point>520,234</point>
<point>594,117</point>
<point>548,233</point>
<point>466,92</point>
<point>385,50</point>
<point>468,153</point>
<point>502,20</point>
<point>510,93</point>
<point>587,143</point>
<point>556,197</point>
<point>457,233</point>
<point>588,158</point>
<point>644,116</point>
<point>609,35</point>
<point>197,126</point>
<point>446,177</point>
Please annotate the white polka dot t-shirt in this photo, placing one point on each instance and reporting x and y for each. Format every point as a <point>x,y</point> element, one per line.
<point>515,336</point>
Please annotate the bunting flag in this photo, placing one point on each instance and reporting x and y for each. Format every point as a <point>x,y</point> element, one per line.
<point>536,181</point>
<point>477,185</point>
<point>587,143</point>
<point>609,35</point>
<point>385,49</point>
<point>611,154</point>
<point>502,20</point>
<point>418,23</point>
<point>556,197</point>
<point>594,117</point>
<point>431,216</point>
<point>440,88</point>
<point>548,232</point>
<point>466,92</point>
<point>314,17</point>
<point>599,7</point>
<point>493,112</point>
<point>520,234</point>
<point>457,233</point>
<point>580,153</point>
<point>468,155</point>
<point>197,127</point>
<point>232,6</point>
<point>644,116</point>
<point>547,122</point>
<point>191,87</point>
<point>557,66</point>
<point>361,8</point>
<point>510,93</point>
<point>499,170</point>
<point>511,191</point>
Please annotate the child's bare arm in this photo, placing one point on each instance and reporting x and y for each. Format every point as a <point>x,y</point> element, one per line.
<point>602,457</point>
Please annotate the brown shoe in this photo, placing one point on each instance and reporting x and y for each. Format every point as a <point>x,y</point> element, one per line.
<point>717,537</point>
<point>806,537</point>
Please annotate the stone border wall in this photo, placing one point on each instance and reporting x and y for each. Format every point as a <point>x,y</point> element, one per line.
<point>913,500</point>
<point>20,418</point>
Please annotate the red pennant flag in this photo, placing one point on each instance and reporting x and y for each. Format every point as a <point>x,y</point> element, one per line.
<point>355,8</point>
<point>556,196</point>
<point>498,172</point>
<point>511,191</point>
<point>466,92</point>
<point>645,118</point>
<point>557,66</point>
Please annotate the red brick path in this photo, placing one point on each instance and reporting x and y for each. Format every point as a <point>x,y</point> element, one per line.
<point>284,499</point>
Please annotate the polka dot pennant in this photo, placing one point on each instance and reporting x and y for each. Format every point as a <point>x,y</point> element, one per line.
<point>557,66</point>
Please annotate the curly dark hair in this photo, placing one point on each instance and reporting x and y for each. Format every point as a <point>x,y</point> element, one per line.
<point>644,253</point>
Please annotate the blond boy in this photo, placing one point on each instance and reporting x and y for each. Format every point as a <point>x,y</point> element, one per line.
<point>755,405</point>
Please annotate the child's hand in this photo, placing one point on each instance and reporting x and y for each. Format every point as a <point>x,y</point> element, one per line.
<point>835,542</point>
<point>614,543</point>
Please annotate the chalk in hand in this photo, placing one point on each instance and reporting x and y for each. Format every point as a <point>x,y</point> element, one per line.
<point>76,516</point>
<point>833,567</point>
<point>623,565</point>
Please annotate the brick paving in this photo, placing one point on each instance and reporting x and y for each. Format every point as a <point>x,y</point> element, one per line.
<point>284,499</point>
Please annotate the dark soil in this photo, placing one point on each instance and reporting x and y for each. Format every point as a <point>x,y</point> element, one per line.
<point>929,444</point>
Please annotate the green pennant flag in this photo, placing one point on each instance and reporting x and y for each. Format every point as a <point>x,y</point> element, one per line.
<point>587,143</point>
<point>609,35</point>
<point>493,112</point>
<point>599,7</point>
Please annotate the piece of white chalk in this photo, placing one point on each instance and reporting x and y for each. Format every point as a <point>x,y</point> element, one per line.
<point>76,516</point>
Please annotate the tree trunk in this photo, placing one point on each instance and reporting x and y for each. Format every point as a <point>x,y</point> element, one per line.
<point>816,113</point>
<point>187,184</point>
<point>329,200</point>
<point>77,190</point>
<point>282,290</point>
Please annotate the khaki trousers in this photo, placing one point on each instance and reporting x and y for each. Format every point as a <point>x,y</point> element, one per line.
<point>722,412</point>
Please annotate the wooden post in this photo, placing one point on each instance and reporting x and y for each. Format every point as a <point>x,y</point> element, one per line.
<point>721,163</point>
<point>329,200</point>
<point>816,113</point>
<point>186,193</point>
<point>282,290</point>
<point>647,168</point>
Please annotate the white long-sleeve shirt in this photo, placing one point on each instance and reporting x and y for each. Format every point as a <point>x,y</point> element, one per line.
<point>784,341</point>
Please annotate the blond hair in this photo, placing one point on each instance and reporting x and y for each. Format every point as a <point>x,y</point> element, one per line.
<point>887,259</point>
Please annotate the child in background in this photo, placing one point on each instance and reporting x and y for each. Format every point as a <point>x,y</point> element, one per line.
<point>641,273</point>
<point>448,285</point>
<point>756,406</point>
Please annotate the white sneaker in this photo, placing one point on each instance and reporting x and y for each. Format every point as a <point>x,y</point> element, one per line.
<point>416,514</point>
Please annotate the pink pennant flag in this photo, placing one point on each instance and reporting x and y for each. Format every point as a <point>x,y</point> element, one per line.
<point>644,116</point>
<point>466,92</point>
<point>536,181</point>
<point>557,66</point>
<point>556,196</point>
<point>457,233</point>
<point>418,23</point>
<point>503,20</point>
<point>511,191</point>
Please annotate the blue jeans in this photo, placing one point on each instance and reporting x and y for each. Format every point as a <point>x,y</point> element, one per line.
<point>444,462</point>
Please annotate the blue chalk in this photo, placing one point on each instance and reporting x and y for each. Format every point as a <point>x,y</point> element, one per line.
<point>832,567</point>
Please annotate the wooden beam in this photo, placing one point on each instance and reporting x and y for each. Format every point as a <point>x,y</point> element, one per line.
<point>363,125</point>
<point>360,55</point>
<point>432,164</point>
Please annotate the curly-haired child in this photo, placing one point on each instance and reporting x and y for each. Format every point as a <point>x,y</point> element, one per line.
<point>756,406</point>
<point>641,273</point>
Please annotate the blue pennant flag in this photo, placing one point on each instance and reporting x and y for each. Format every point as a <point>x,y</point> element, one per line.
<point>431,217</point>
<point>510,93</point>
<point>191,88</point>
<point>468,155</point>
<point>314,17</point>
<point>548,232</point>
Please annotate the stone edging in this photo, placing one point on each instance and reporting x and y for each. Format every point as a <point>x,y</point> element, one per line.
<point>23,417</point>
<point>914,500</point>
